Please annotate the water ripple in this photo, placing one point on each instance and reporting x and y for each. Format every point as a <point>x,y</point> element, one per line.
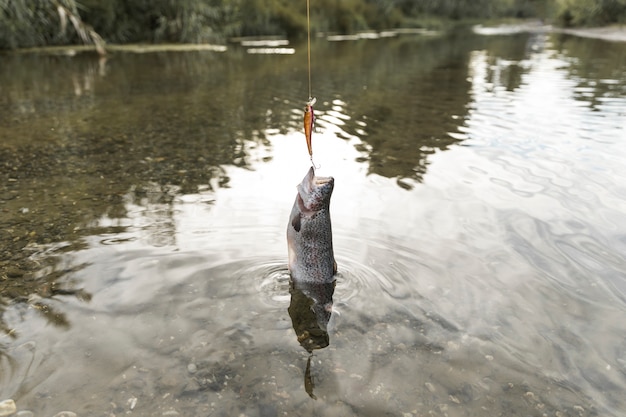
<point>273,281</point>
<point>568,254</point>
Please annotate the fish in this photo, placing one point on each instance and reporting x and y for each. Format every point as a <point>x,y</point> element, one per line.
<point>309,232</point>
<point>309,123</point>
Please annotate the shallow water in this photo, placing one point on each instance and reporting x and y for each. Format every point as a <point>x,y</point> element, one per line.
<point>479,220</point>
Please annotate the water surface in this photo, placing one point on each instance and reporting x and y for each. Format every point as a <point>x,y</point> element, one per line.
<point>479,223</point>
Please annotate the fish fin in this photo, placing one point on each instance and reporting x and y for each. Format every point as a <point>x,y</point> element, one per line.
<point>296,223</point>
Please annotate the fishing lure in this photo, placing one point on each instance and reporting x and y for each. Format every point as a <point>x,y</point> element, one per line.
<point>309,123</point>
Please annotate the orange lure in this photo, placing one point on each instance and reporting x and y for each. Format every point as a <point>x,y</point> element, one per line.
<point>309,122</point>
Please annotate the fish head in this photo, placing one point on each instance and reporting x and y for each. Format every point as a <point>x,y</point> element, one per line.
<point>315,192</point>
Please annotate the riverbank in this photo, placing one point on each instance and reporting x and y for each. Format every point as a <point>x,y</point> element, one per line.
<point>613,33</point>
<point>609,33</point>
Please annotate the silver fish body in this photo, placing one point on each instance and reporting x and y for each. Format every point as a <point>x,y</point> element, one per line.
<point>309,232</point>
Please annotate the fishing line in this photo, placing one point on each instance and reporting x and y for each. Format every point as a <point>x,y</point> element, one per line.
<point>309,117</point>
<point>308,32</point>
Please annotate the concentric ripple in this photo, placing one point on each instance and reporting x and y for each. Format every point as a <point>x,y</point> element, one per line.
<point>273,281</point>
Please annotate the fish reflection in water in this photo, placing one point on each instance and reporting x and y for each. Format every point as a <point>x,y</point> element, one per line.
<point>310,310</point>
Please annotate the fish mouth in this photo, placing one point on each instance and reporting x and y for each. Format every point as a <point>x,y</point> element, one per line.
<point>312,182</point>
<point>321,181</point>
<point>315,192</point>
<point>321,187</point>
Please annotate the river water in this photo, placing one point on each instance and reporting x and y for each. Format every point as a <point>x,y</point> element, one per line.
<point>479,220</point>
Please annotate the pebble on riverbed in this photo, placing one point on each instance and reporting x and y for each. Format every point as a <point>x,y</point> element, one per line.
<point>65,414</point>
<point>7,408</point>
<point>192,368</point>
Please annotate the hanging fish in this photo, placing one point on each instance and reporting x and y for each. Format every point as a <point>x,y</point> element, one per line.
<point>309,232</point>
<point>309,123</point>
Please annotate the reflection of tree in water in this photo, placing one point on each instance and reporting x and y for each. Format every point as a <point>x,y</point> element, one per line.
<point>587,60</point>
<point>66,163</point>
<point>410,99</point>
<point>310,310</point>
<point>403,99</point>
<point>37,292</point>
<point>157,212</point>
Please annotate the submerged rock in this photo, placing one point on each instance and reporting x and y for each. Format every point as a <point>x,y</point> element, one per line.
<point>65,414</point>
<point>7,408</point>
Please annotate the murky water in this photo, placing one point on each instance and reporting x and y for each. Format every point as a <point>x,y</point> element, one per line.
<point>479,220</point>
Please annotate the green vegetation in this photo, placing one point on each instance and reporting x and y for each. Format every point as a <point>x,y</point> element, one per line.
<point>26,23</point>
<point>590,12</point>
